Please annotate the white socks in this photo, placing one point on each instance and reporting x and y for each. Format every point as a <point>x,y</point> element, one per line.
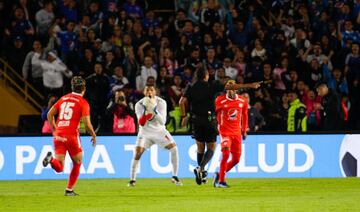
<point>174,160</point>
<point>133,169</point>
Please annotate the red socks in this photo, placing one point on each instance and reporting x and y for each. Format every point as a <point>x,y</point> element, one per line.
<point>235,158</point>
<point>227,166</point>
<point>223,164</point>
<point>75,171</point>
<point>56,165</point>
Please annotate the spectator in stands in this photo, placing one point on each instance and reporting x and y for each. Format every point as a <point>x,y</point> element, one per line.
<point>313,114</point>
<point>255,119</point>
<point>239,34</point>
<point>95,14</point>
<point>146,71</point>
<point>229,70</point>
<point>176,91</point>
<point>211,63</point>
<point>278,74</point>
<point>352,64</point>
<point>118,80</point>
<point>16,54</point>
<point>19,25</point>
<point>210,14</point>
<point>33,72</point>
<point>150,21</point>
<point>46,126</point>
<point>332,112</point>
<point>163,82</point>
<point>317,54</point>
<point>44,18</point>
<point>133,10</point>
<point>300,42</point>
<point>110,63</point>
<point>240,62</point>
<point>98,87</point>
<point>69,10</point>
<point>297,114</point>
<point>166,58</point>
<point>86,63</point>
<point>335,80</point>
<point>256,36</point>
<point>54,71</point>
<point>259,51</point>
<point>69,44</point>
<point>347,33</point>
<point>315,73</point>
<point>124,116</point>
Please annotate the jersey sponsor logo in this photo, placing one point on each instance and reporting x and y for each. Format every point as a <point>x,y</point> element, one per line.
<point>64,123</point>
<point>59,138</point>
<point>232,114</point>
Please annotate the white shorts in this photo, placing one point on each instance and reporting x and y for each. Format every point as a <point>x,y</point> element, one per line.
<point>162,138</point>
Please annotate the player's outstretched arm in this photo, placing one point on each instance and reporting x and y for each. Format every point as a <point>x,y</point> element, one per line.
<point>50,116</point>
<point>90,129</point>
<point>253,85</point>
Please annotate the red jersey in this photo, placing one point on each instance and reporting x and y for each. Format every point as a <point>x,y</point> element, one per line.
<point>71,108</point>
<point>232,115</point>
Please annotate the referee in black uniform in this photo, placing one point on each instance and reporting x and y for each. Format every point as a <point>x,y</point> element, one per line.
<point>199,100</point>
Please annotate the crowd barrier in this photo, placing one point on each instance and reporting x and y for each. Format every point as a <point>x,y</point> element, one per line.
<point>263,156</point>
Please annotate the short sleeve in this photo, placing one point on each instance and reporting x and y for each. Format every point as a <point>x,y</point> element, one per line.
<point>85,109</point>
<point>57,105</point>
<point>218,104</point>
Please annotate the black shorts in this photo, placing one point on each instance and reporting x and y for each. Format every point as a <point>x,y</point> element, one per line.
<point>204,130</point>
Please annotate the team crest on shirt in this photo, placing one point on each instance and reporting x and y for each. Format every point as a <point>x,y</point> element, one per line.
<point>232,114</point>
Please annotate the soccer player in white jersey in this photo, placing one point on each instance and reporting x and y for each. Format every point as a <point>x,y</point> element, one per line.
<point>151,114</point>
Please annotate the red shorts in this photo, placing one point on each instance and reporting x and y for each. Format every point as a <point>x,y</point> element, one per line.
<point>231,142</point>
<point>70,143</point>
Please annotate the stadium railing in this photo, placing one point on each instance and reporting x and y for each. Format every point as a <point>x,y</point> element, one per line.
<point>15,81</point>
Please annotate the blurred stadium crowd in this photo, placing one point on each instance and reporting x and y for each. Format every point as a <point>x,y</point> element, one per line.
<point>121,45</point>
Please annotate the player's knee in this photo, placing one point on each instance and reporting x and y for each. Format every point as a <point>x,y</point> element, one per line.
<point>200,147</point>
<point>78,161</point>
<point>137,155</point>
<point>171,146</point>
<point>225,153</point>
<point>236,158</point>
<point>211,146</point>
<point>59,169</point>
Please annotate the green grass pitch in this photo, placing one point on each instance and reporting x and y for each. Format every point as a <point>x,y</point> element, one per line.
<point>162,195</point>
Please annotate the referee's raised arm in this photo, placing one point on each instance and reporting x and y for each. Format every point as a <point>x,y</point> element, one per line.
<point>254,85</point>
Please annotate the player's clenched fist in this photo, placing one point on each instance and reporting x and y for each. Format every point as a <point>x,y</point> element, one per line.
<point>150,104</point>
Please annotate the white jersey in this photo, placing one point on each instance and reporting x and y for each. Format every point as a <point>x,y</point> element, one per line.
<point>157,123</point>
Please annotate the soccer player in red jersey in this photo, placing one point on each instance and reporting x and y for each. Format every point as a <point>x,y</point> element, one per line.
<point>70,109</point>
<point>232,116</point>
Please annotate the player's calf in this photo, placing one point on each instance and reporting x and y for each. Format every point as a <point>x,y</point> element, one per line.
<point>216,179</point>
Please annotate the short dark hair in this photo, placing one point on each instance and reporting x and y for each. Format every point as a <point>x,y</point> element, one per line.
<point>200,74</point>
<point>78,84</point>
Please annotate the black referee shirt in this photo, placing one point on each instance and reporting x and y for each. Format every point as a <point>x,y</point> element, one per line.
<point>201,98</point>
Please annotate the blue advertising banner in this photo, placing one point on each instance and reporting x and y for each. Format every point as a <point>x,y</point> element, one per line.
<point>263,156</point>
